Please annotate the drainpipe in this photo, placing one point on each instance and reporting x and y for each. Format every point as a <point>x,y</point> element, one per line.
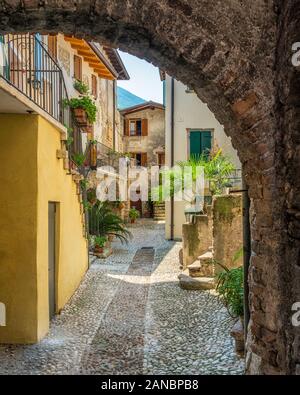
<point>172,149</point>
<point>114,115</point>
<point>247,252</point>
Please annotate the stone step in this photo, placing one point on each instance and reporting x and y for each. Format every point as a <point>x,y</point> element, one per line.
<point>207,266</point>
<point>207,256</point>
<point>195,269</point>
<point>194,284</point>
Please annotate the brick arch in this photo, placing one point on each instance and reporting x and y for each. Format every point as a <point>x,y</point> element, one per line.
<point>236,57</point>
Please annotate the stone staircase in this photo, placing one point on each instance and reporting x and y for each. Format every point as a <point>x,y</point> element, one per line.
<point>200,274</point>
<point>76,177</point>
<point>159,212</point>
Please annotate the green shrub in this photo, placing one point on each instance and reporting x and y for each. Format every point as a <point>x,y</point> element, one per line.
<point>78,159</point>
<point>231,289</point>
<point>103,222</point>
<point>100,241</point>
<point>81,87</point>
<point>134,213</point>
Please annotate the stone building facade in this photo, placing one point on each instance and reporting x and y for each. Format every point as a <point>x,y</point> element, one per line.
<point>144,140</point>
<point>99,75</point>
<point>144,133</point>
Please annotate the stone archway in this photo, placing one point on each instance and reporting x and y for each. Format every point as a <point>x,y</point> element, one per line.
<point>236,55</point>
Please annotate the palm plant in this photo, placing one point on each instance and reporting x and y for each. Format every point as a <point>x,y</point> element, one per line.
<point>217,169</point>
<point>104,222</point>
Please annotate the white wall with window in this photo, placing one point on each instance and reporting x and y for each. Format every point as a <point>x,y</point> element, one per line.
<point>196,129</point>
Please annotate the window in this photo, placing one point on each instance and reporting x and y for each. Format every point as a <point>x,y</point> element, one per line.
<point>200,142</point>
<point>94,86</point>
<point>77,68</point>
<point>140,157</point>
<point>135,127</point>
<point>38,59</point>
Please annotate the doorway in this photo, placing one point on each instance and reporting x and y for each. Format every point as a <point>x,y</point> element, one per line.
<point>52,240</point>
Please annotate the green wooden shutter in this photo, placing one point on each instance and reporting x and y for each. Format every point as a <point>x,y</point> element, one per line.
<point>195,143</point>
<point>200,142</point>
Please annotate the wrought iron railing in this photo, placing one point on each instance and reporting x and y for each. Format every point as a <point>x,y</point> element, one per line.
<point>108,157</point>
<point>27,65</point>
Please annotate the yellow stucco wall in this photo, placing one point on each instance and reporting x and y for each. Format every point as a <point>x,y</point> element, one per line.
<point>18,224</point>
<point>33,176</point>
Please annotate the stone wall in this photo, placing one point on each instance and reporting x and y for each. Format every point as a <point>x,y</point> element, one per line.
<point>227,230</point>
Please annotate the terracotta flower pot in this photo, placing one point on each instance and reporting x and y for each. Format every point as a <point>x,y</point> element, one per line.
<point>98,250</point>
<point>81,117</point>
<point>132,220</point>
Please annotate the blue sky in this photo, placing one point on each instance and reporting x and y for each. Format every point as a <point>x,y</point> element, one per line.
<point>144,78</point>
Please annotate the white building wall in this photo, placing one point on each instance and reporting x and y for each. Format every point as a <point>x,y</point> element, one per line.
<point>189,113</point>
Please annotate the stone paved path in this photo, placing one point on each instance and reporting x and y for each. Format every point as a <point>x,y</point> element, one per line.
<point>129,316</point>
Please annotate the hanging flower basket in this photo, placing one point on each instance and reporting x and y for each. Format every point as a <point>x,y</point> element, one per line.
<point>81,117</point>
<point>84,110</point>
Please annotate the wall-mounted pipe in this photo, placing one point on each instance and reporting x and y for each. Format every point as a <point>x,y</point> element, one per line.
<point>114,115</point>
<point>172,149</point>
<point>247,253</point>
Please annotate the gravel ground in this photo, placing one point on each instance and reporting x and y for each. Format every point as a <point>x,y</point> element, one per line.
<point>129,316</point>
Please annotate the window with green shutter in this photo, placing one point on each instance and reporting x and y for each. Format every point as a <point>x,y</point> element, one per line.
<point>200,142</point>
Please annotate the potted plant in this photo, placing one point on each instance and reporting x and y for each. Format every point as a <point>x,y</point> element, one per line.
<point>78,159</point>
<point>84,110</point>
<point>103,222</point>
<point>99,244</point>
<point>230,286</point>
<point>81,87</point>
<point>133,215</point>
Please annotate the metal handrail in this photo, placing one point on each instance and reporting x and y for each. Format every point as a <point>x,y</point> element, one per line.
<point>30,68</point>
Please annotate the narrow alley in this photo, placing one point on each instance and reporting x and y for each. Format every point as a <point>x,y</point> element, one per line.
<point>129,316</point>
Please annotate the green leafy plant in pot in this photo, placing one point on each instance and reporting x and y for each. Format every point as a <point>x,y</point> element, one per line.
<point>81,87</point>
<point>104,222</point>
<point>84,110</point>
<point>133,215</point>
<point>99,244</point>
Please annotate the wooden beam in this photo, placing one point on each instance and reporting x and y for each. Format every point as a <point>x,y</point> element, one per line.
<point>103,73</point>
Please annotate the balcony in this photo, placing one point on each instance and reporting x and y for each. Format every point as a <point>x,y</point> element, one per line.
<point>26,64</point>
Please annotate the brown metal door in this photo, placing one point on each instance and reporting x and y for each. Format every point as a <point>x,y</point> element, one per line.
<point>51,258</point>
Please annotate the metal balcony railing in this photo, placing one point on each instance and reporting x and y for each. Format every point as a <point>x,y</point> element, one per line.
<point>108,157</point>
<point>26,64</point>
